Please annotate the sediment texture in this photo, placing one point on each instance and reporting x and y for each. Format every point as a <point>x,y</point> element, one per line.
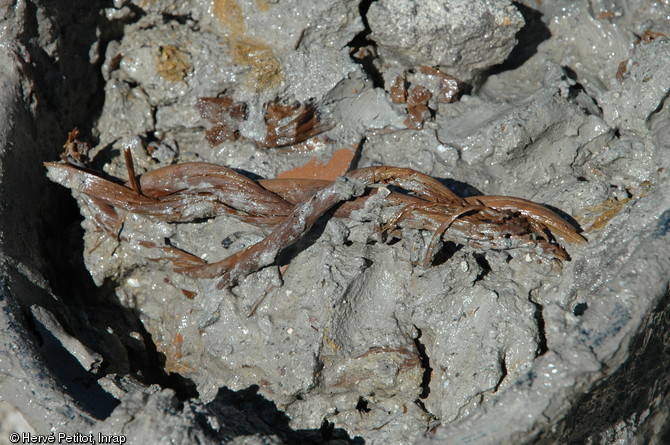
<point>564,104</point>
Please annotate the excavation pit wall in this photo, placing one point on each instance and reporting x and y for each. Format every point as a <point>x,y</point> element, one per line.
<point>355,340</point>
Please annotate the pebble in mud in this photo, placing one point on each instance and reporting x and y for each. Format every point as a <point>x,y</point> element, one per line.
<point>463,38</point>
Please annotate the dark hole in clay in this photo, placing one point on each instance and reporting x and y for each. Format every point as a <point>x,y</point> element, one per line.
<point>579,309</point>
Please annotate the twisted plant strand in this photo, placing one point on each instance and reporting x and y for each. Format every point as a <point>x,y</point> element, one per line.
<point>190,191</point>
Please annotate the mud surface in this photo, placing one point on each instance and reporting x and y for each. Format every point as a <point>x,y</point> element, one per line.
<point>563,103</point>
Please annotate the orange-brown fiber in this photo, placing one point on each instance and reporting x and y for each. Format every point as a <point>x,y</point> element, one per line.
<point>195,190</point>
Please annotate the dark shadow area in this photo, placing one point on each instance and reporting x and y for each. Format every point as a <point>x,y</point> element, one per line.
<point>105,155</point>
<point>579,95</point>
<point>62,66</point>
<point>425,365</point>
<point>248,174</point>
<point>363,50</point>
<point>542,347</point>
<point>662,225</point>
<point>68,93</point>
<point>528,39</point>
<point>642,383</point>
<point>355,161</point>
<point>246,412</point>
<point>580,309</point>
<point>99,311</point>
<point>483,264</point>
<point>448,249</point>
<point>80,101</point>
<point>81,385</point>
<point>572,221</point>
<point>462,189</point>
<point>362,406</point>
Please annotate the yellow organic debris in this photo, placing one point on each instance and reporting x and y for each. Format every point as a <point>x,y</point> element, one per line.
<point>265,70</point>
<point>172,64</point>
<point>230,14</point>
<point>604,211</point>
<point>262,5</point>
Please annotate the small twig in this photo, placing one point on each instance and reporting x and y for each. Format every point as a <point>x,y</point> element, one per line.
<point>131,171</point>
<point>443,228</point>
<point>261,299</point>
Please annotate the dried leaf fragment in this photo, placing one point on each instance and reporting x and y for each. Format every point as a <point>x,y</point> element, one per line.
<point>225,114</point>
<point>76,152</point>
<point>417,107</point>
<point>218,109</point>
<point>622,70</point>
<point>450,86</point>
<point>398,91</point>
<point>291,124</point>
<point>649,36</point>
